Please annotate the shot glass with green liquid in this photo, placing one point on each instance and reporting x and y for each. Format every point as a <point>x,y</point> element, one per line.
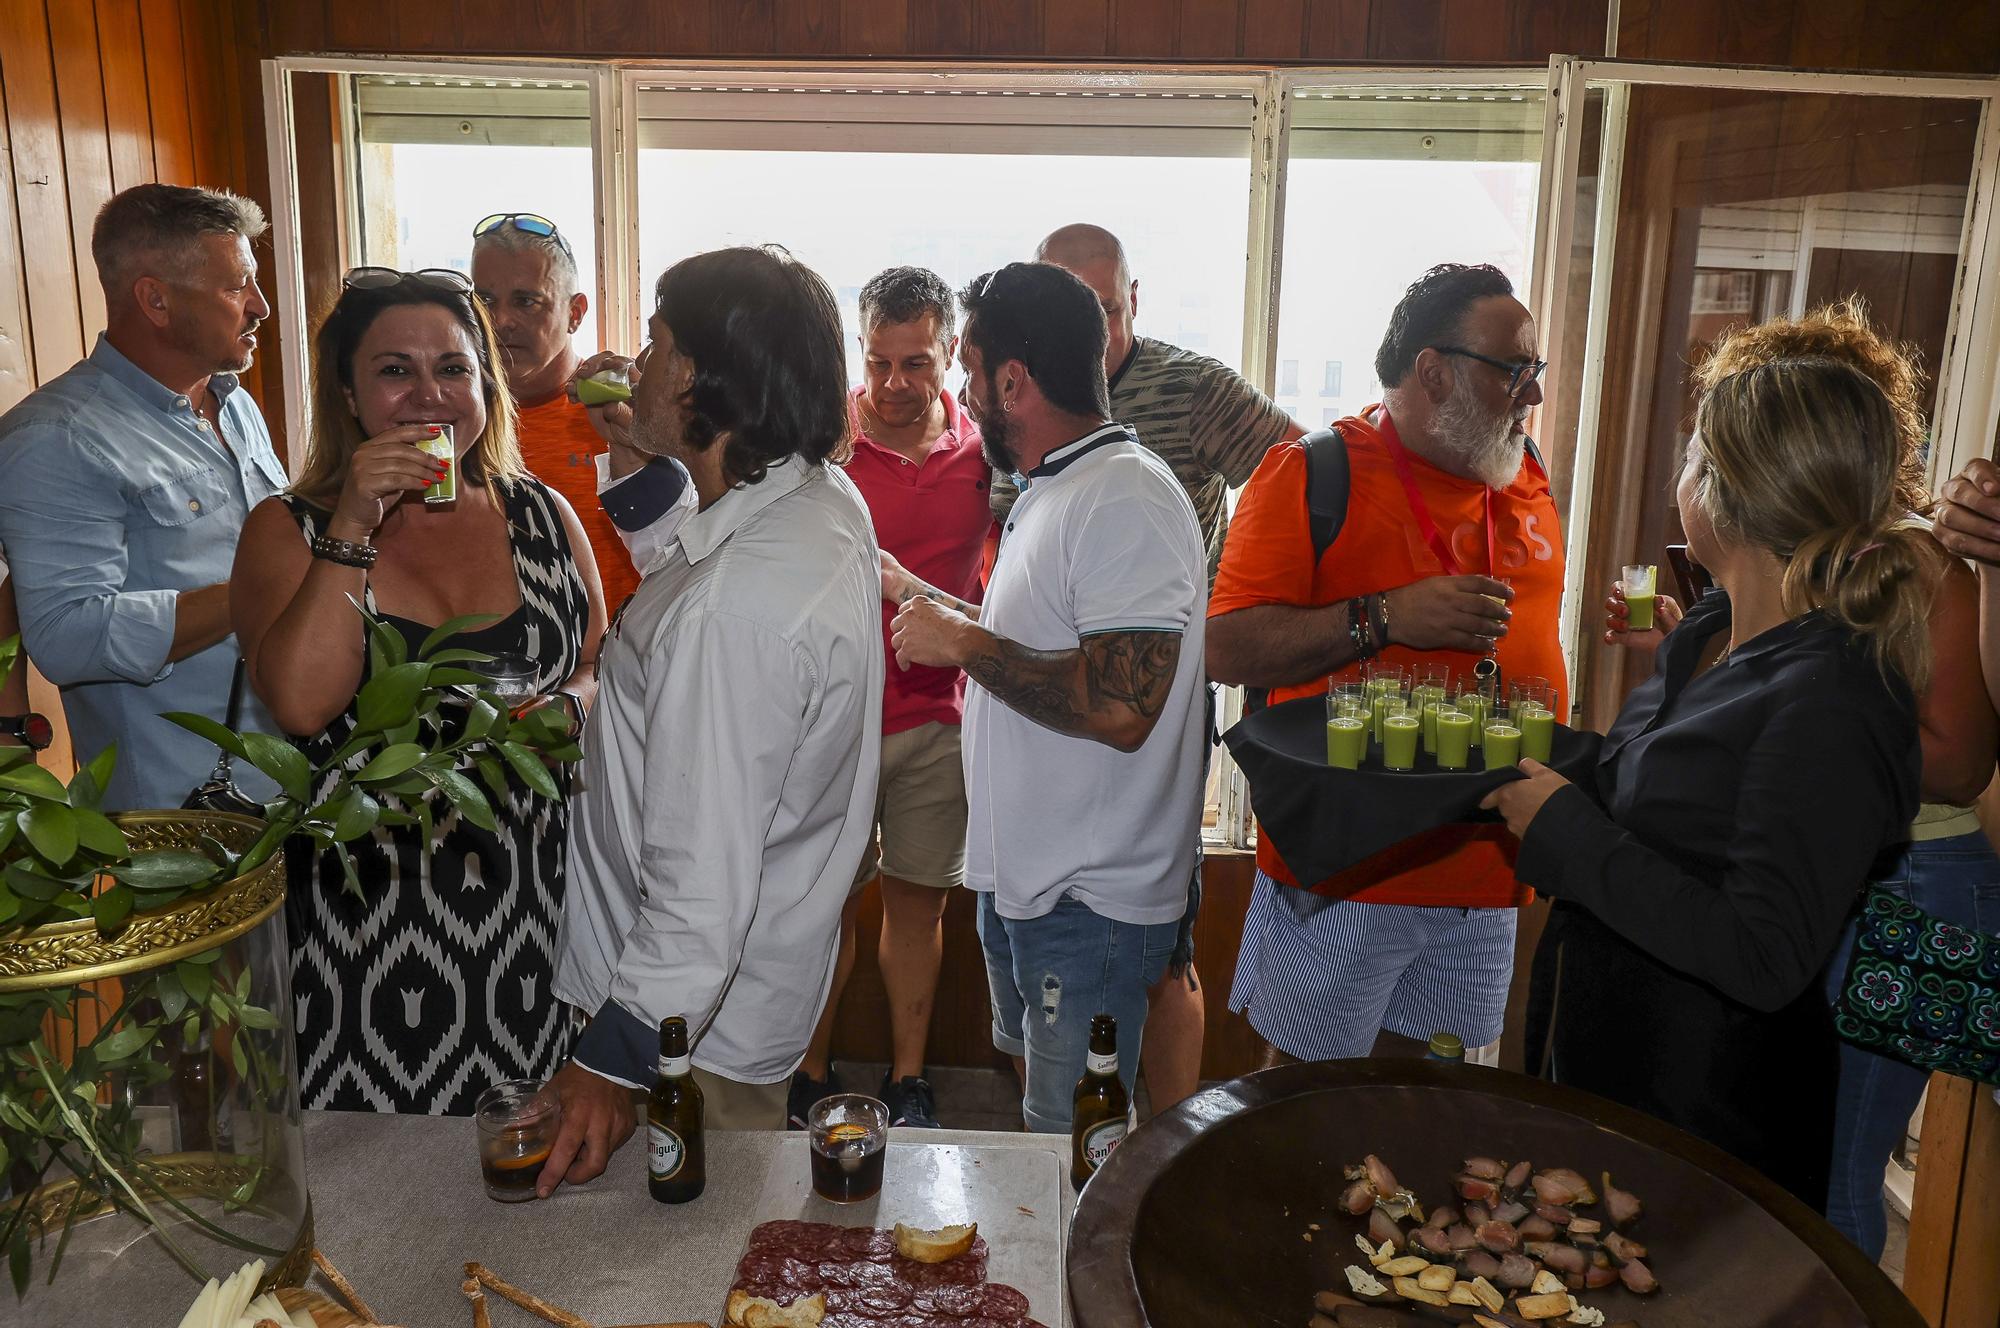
<point>445,488</point>
<point>1502,740</point>
<point>1401,732</point>
<point>1454,738</point>
<point>1640,584</point>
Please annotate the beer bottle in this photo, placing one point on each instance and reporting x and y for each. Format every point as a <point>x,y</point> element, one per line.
<point>1446,1047</point>
<point>676,1169</point>
<point>1098,1121</point>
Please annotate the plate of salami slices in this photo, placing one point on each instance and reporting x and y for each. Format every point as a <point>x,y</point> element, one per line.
<point>855,1277</point>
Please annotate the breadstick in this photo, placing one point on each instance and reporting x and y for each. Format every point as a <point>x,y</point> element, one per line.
<point>344,1287</point>
<point>532,1304</point>
<point>473,1292</point>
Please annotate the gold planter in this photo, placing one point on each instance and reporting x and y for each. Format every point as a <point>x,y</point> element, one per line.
<point>206,1131</point>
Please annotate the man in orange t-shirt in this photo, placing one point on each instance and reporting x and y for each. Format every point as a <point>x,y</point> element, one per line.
<point>1443,499</point>
<point>525,272</point>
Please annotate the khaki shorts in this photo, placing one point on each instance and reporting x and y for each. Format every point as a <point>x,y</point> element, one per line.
<point>919,810</point>
<point>730,1104</point>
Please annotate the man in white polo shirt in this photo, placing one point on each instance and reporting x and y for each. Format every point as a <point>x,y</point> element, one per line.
<point>1084,719</point>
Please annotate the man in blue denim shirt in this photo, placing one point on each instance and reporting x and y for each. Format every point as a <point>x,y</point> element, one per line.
<point>125,482</point>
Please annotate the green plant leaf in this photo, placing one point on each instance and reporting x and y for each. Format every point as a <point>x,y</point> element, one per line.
<point>480,718</point>
<point>457,656</point>
<point>35,782</point>
<point>101,766</point>
<point>426,826</point>
<point>243,984</point>
<point>173,994</point>
<point>282,762</point>
<point>99,833</point>
<point>84,790</point>
<point>391,762</point>
<point>493,774</point>
<point>123,1043</point>
<point>386,646</point>
<point>112,907</point>
<point>18,1026</point>
<point>9,905</point>
<point>389,699</point>
<point>444,675</point>
<point>530,768</point>
<point>30,884</point>
<point>196,981</point>
<point>204,957</point>
<point>411,732</point>
<point>165,869</point>
<point>397,819</point>
<point>191,1030</point>
<point>215,731</point>
<point>251,1016</point>
<point>356,815</point>
<point>451,627</point>
<point>467,798</point>
<point>51,828</point>
<point>238,1056</point>
<point>17,1261</point>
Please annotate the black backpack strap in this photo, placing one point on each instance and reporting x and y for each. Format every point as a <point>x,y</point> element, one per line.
<point>1535,455</point>
<point>1327,481</point>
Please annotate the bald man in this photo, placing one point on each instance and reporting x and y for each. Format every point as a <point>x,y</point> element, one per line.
<point>1211,427</point>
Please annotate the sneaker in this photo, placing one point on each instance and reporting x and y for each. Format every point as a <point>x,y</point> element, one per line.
<point>911,1102</point>
<point>806,1092</point>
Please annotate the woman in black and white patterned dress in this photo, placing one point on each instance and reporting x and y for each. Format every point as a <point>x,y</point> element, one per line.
<point>433,982</point>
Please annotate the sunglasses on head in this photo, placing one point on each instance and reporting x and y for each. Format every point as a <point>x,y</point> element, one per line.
<point>528,223</point>
<point>382,278</point>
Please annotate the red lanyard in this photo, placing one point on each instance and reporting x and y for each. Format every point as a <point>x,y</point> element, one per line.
<point>1418,508</point>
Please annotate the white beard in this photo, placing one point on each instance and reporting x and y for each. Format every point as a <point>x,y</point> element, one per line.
<point>1486,447</point>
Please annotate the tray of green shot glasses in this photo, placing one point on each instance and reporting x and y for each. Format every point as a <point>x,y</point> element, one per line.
<point>1338,778</point>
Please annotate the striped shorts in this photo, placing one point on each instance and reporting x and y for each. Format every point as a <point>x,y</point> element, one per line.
<point>1320,977</point>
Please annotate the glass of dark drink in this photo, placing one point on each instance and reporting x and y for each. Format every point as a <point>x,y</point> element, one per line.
<point>849,1136</point>
<point>517,1127</point>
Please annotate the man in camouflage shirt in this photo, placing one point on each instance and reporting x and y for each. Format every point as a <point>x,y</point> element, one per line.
<point>1211,427</point>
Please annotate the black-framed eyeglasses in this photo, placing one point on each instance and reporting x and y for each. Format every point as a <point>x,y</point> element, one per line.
<point>382,278</point>
<point>528,223</point>
<point>1519,372</point>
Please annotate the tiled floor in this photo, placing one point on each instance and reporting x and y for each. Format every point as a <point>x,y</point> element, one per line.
<point>991,1100</point>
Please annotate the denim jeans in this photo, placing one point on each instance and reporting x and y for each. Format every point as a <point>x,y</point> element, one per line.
<point>1955,879</point>
<point>1048,976</point>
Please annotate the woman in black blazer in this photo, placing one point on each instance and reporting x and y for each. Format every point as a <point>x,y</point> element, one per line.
<point>1703,877</point>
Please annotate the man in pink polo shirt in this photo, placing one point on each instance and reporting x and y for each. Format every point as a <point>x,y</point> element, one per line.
<point>918,463</point>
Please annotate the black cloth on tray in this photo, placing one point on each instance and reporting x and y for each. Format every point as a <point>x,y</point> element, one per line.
<point>1323,819</point>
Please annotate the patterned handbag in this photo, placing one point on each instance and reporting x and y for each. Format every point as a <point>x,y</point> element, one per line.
<point>1923,991</point>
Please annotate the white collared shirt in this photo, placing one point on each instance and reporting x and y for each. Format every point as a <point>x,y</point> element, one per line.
<point>1102,539</point>
<point>729,782</point>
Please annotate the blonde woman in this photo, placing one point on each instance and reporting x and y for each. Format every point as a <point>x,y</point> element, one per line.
<point>1948,868</point>
<point>1703,875</point>
<point>434,982</point>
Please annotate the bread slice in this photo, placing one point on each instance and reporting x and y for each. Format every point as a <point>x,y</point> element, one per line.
<point>747,1311</point>
<point>935,1246</point>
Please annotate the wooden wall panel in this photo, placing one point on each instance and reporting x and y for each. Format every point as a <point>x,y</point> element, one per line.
<point>41,190</point>
<point>165,81</point>
<point>128,119</point>
<point>86,144</point>
<point>1195,31</point>
<point>1916,36</point>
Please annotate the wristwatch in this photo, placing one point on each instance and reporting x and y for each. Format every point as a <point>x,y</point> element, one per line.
<point>32,729</point>
<point>575,708</point>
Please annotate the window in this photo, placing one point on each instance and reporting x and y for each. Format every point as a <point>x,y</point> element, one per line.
<point>1288,378</point>
<point>1381,184</point>
<point>857,178</point>
<point>435,155</point>
<point>1328,414</point>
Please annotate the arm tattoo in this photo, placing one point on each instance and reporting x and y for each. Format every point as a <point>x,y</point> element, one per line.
<point>1111,688</point>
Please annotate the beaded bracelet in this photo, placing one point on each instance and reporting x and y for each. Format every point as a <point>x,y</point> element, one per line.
<point>345,552</point>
